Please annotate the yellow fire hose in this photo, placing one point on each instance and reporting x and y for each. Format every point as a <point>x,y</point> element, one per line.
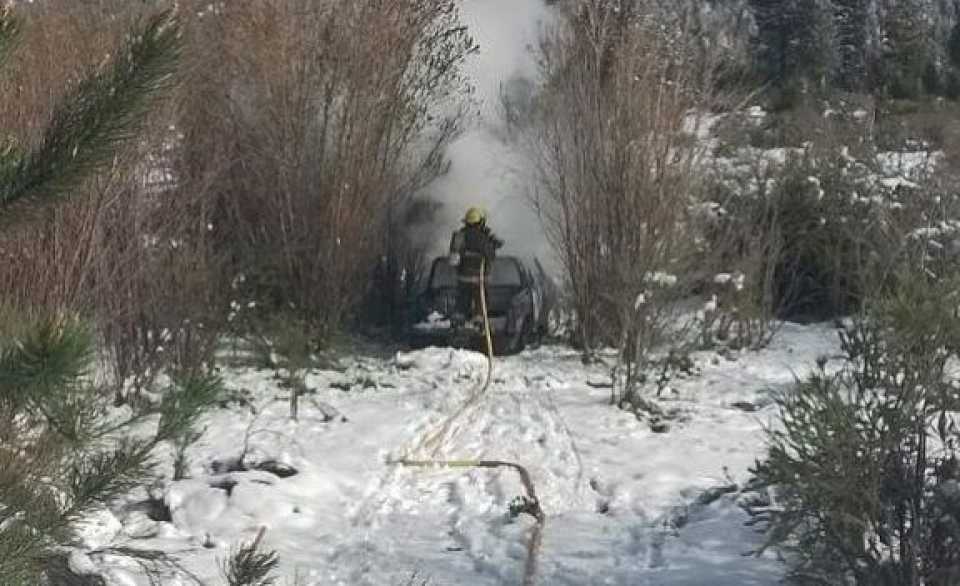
<point>435,441</point>
<point>486,325</point>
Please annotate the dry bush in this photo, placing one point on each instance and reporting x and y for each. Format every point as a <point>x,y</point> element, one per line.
<point>402,269</point>
<point>131,251</point>
<point>617,168</point>
<point>47,263</point>
<point>321,120</point>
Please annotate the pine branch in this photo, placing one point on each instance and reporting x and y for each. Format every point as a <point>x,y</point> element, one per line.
<point>46,362</point>
<point>94,120</point>
<point>97,478</point>
<point>184,403</point>
<point>249,566</point>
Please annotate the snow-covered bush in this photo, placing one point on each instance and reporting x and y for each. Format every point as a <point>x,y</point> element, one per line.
<point>737,313</point>
<point>826,227</point>
<point>862,468</point>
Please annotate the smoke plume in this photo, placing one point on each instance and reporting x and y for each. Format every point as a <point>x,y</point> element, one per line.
<point>487,169</point>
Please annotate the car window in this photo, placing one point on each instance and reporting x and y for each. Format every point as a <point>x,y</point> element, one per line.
<point>505,273</point>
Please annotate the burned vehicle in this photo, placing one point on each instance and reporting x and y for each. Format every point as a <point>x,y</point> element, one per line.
<point>520,296</point>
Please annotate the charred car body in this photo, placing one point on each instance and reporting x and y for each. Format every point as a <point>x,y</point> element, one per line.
<point>520,297</point>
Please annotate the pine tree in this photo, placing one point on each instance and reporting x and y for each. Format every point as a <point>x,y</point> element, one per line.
<point>851,19</point>
<point>907,52</point>
<point>953,45</point>
<point>58,458</point>
<point>796,40</point>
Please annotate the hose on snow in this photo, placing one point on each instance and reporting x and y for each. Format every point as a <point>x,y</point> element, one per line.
<point>435,441</point>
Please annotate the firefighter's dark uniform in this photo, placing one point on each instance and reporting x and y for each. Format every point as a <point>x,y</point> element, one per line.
<point>472,244</point>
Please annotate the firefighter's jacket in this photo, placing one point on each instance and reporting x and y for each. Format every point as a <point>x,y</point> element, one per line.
<point>469,246</point>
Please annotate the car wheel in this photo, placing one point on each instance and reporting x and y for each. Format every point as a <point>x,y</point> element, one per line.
<point>534,337</point>
<point>518,342</point>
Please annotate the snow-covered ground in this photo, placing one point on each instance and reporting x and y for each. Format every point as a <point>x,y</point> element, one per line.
<point>621,501</point>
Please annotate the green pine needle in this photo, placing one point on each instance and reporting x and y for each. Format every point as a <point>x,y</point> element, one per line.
<point>185,402</point>
<point>248,565</point>
<point>45,362</point>
<point>96,478</point>
<point>95,119</point>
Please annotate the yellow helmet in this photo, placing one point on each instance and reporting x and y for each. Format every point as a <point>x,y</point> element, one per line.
<point>474,216</point>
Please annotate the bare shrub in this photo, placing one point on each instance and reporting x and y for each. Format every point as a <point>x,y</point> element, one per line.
<point>617,170</point>
<point>401,268</point>
<point>321,119</point>
<point>132,251</point>
<point>47,263</point>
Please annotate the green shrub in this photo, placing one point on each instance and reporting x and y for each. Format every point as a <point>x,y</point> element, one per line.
<point>863,467</point>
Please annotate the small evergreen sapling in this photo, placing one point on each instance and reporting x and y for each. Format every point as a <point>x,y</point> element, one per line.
<point>248,565</point>
<point>183,404</point>
<point>59,458</point>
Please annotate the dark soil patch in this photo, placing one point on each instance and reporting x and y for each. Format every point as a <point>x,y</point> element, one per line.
<point>278,469</point>
<point>224,484</point>
<point>155,509</point>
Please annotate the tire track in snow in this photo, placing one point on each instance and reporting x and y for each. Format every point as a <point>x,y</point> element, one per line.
<point>516,420</point>
<point>441,387</point>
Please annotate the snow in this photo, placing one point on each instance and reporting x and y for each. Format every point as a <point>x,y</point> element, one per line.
<point>435,321</point>
<point>98,529</point>
<point>893,183</point>
<point>711,305</point>
<point>623,504</point>
<point>909,162</point>
<point>815,181</point>
<point>737,280</point>
<point>81,564</point>
<point>661,279</point>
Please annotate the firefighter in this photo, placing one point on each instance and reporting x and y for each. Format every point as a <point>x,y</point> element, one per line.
<point>470,245</point>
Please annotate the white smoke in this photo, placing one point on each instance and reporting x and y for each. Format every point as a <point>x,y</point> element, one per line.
<point>486,170</point>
